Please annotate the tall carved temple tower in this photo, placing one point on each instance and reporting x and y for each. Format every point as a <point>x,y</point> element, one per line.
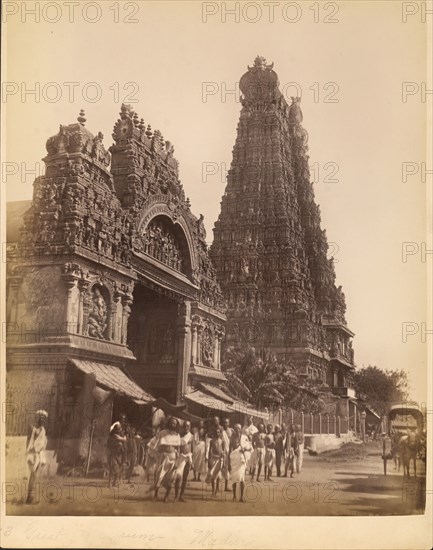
<point>269,250</point>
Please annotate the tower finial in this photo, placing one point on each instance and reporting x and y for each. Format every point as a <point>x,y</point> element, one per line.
<point>260,63</point>
<point>81,118</point>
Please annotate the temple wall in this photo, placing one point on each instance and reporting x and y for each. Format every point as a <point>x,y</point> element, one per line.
<point>41,301</point>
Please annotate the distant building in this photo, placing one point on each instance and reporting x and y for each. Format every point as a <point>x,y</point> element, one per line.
<point>269,250</point>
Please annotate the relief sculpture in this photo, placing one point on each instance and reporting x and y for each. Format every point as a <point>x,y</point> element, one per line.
<point>97,324</point>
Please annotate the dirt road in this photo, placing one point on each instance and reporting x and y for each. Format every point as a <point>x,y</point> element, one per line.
<point>326,486</point>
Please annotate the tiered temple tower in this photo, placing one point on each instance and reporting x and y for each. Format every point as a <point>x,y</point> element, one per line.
<point>269,250</point>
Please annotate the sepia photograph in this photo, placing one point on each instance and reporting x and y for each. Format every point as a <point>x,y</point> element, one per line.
<point>216,274</point>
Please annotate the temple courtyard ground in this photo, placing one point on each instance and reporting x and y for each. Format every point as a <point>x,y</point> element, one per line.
<point>345,482</point>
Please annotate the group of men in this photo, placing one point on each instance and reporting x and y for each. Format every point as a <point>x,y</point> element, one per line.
<point>216,452</point>
<point>277,445</point>
<point>125,451</point>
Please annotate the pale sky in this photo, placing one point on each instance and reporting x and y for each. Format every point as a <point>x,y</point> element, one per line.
<point>170,55</point>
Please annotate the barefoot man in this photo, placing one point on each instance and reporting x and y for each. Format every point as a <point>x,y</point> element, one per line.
<point>35,450</point>
<point>258,454</point>
<point>168,449</point>
<point>183,462</point>
<point>270,452</point>
<point>240,448</point>
<point>217,453</point>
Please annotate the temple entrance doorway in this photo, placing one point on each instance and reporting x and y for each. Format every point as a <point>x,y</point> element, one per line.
<point>153,340</point>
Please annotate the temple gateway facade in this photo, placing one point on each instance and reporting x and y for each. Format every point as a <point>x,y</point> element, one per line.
<point>113,300</point>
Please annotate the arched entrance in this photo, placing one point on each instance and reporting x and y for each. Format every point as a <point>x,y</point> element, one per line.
<point>166,242</point>
<point>152,337</point>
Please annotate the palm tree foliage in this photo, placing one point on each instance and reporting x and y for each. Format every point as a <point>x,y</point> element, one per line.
<point>271,382</point>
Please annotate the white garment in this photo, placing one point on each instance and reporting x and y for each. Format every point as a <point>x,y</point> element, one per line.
<point>35,452</point>
<point>239,458</point>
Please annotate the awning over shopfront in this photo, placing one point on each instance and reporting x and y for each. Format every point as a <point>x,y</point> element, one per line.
<point>207,401</point>
<point>216,392</point>
<point>113,378</point>
<point>215,403</point>
<point>244,408</point>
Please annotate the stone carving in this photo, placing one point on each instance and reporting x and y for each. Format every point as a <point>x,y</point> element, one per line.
<point>160,241</point>
<point>269,249</point>
<point>207,342</point>
<point>97,321</point>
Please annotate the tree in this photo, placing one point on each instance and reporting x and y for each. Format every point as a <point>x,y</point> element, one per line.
<point>270,382</point>
<point>381,388</point>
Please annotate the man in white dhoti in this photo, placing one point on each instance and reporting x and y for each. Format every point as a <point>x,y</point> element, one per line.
<point>299,435</point>
<point>227,434</point>
<point>183,462</point>
<point>35,450</point>
<point>249,430</point>
<point>258,455</point>
<point>217,454</point>
<point>199,452</point>
<point>168,446</point>
<point>270,452</point>
<point>240,448</point>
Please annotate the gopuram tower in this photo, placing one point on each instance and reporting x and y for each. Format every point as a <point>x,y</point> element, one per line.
<point>269,250</point>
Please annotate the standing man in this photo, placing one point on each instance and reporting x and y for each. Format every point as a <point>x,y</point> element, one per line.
<point>184,461</point>
<point>270,452</point>
<point>132,452</point>
<point>217,454</point>
<point>227,434</point>
<point>168,446</point>
<point>35,450</point>
<point>299,434</point>
<point>289,452</point>
<point>116,454</point>
<point>199,452</point>
<point>249,430</point>
<point>124,428</point>
<point>239,447</point>
<point>279,448</point>
<point>259,452</point>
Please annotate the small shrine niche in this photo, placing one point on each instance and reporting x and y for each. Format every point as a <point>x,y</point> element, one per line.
<point>98,315</point>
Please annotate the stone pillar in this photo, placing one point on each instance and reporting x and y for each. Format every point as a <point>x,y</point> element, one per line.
<point>70,283</point>
<point>114,329</point>
<point>199,351</point>
<point>220,335</point>
<point>215,362</point>
<point>183,326</point>
<point>126,302</point>
<point>82,286</point>
<point>194,344</point>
